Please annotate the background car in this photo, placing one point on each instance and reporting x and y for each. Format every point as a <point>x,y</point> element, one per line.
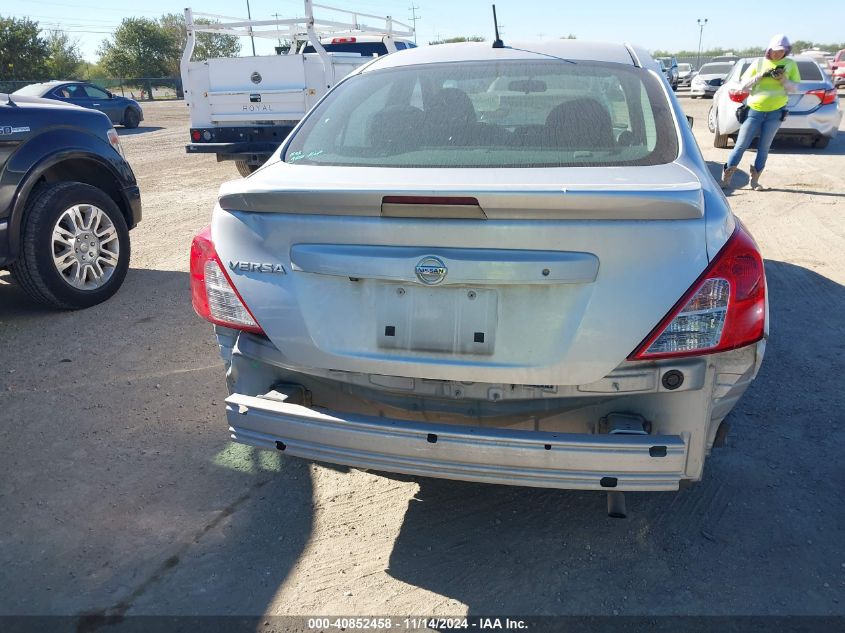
<point>120,110</point>
<point>814,112</point>
<point>68,199</point>
<point>672,71</point>
<point>709,78</point>
<point>822,58</point>
<point>685,74</point>
<point>837,68</point>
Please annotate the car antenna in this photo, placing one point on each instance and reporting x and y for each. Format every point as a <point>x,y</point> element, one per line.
<point>497,43</point>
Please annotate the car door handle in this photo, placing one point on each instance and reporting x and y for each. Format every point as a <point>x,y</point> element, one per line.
<point>96,104</point>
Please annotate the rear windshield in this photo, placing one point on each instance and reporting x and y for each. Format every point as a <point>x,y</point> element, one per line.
<point>365,49</point>
<point>809,71</point>
<point>715,69</point>
<point>32,90</point>
<point>491,114</point>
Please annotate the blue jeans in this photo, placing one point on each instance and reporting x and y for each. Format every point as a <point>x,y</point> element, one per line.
<point>762,124</point>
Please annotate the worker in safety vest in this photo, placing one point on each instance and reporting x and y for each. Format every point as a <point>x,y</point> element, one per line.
<point>767,82</point>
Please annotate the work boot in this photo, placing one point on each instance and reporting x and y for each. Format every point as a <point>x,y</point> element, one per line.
<point>755,179</point>
<point>727,174</point>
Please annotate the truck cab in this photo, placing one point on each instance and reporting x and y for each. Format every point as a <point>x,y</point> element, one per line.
<point>242,108</point>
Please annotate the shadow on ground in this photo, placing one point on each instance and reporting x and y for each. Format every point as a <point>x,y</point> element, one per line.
<point>127,496</point>
<point>763,533</point>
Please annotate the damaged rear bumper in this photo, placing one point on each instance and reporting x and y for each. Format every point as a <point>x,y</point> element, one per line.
<point>501,456</point>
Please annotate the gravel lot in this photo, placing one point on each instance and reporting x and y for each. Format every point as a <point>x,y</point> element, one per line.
<point>121,494</point>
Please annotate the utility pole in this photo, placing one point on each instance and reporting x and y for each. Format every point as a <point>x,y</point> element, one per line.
<point>701,23</point>
<point>249,17</point>
<point>414,18</point>
<point>277,16</point>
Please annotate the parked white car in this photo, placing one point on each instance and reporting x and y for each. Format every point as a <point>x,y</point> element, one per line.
<point>709,78</point>
<point>506,265</point>
<point>814,111</point>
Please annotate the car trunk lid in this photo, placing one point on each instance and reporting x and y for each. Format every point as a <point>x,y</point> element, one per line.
<point>555,282</point>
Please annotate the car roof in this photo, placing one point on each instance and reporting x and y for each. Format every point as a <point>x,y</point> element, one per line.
<point>531,50</point>
<point>797,58</point>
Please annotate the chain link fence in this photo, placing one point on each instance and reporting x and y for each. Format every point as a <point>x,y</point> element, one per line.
<point>141,89</point>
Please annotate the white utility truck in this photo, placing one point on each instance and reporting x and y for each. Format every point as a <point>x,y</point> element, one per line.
<point>242,108</point>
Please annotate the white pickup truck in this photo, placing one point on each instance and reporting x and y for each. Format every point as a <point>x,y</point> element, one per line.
<point>242,108</point>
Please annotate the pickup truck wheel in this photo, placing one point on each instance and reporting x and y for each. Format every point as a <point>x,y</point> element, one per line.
<point>244,168</point>
<point>131,119</point>
<point>74,246</point>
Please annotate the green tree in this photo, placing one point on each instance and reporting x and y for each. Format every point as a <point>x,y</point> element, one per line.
<point>452,40</point>
<point>139,47</point>
<point>208,45</point>
<point>23,52</point>
<point>64,58</point>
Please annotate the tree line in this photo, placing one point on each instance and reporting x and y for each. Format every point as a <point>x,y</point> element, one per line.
<point>757,51</point>
<point>139,47</point>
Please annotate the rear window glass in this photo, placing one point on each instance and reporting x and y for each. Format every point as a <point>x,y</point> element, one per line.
<point>365,49</point>
<point>32,90</point>
<point>809,71</point>
<point>486,114</point>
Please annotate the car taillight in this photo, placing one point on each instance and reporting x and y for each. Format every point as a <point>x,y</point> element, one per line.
<point>212,293</point>
<point>724,309</point>
<point>196,136</point>
<point>825,96</point>
<point>738,96</point>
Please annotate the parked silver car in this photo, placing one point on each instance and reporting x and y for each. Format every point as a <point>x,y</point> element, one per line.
<point>709,78</point>
<point>685,74</point>
<point>814,112</point>
<point>505,265</point>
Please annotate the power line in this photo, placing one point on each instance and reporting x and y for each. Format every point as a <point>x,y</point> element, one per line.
<point>94,6</point>
<point>71,19</point>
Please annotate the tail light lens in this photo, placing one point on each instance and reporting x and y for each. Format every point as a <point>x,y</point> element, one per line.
<point>196,136</point>
<point>212,293</point>
<point>825,96</point>
<point>723,310</point>
<point>738,96</point>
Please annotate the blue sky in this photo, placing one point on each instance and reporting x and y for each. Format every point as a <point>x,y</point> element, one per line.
<point>665,25</point>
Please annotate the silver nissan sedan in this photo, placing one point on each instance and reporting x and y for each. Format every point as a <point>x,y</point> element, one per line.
<point>506,265</point>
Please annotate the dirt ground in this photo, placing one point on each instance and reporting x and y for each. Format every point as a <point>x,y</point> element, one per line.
<point>120,492</point>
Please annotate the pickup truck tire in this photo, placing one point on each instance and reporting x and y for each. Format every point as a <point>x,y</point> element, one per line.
<point>37,269</point>
<point>131,119</point>
<point>244,168</point>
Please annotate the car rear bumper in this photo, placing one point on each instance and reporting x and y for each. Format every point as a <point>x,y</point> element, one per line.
<point>562,438</point>
<point>500,456</point>
<point>823,122</point>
